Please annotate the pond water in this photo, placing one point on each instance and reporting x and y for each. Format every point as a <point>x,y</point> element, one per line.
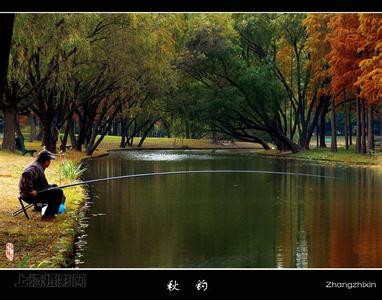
<point>230,220</point>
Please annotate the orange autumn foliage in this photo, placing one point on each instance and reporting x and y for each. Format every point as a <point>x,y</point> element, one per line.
<point>370,80</point>
<point>285,61</point>
<point>344,57</point>
<point>318,46</point>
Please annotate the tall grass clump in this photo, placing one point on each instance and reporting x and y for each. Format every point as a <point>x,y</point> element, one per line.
<point>71,170</point>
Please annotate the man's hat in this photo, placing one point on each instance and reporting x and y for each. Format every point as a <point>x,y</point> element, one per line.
<point>45,155</point>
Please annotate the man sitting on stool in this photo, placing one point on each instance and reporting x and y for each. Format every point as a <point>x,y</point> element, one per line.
<point>33,183</point>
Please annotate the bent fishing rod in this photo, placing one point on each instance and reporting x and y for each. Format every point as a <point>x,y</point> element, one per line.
<point>174,173</point>
<point>181,173</point>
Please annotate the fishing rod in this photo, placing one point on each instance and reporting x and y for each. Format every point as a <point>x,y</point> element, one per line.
<point>180,173</point>
<point>177,173</point>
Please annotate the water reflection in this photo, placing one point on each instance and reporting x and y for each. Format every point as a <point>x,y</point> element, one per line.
<point>167,155</point>
<point>231,220</point>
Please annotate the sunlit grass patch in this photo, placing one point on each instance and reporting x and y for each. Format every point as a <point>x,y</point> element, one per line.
<point>71,170</point>
<point>113,142</point>
<point>342,155</point>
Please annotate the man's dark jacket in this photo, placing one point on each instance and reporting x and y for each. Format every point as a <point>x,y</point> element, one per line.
<point>33,178</point>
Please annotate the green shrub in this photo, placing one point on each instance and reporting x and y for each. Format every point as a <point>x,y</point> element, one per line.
<point>71,170</point>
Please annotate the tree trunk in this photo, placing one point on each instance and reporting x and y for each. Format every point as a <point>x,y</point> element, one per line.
<point>263,144</point>
<point>40,132</point>
<point>346,125</point>
<point>363,127</point>
<point>73,139</point>
<point>322,132</point>
<point>350,124</point>
<point>101,128</point>
<point>370,128</point>
<point>282,142</point>
<point>122,143</point>
<point>166,127</point>
<point>322,125</point>
<point>146,133</point>
<point>81,140</point>
<point>93,144</point>
<point>9,129</point>
<point>18,130</point>
<point>49,141</point>
<point>114,128</point>
<point>333,146</point>
<point>32,122</point>
<point>285,146</point>
<point>50,137</point>
<point>64,140</point>
<point>123,134</point>
<point>214,137</point>
<point>317,135</point>
<point>359,128</point>
<point>310,127</point>
<point>119,128</point>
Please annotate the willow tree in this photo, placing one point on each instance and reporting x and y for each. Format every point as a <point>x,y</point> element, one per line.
<point>229,51</point>
<point>300,81</point>
<point>43,48</point>
<point>143,50</point>
<point>245,98</point>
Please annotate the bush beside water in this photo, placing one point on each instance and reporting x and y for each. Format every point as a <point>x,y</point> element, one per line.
<point>71,170</point>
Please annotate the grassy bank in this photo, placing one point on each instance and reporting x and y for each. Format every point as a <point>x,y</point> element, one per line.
<point>36,243</point>
<point>112,142</point>
<point>348,157</point>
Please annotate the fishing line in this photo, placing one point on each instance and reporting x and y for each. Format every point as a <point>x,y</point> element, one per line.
<point>184,172</point>
<point>178,173</point>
